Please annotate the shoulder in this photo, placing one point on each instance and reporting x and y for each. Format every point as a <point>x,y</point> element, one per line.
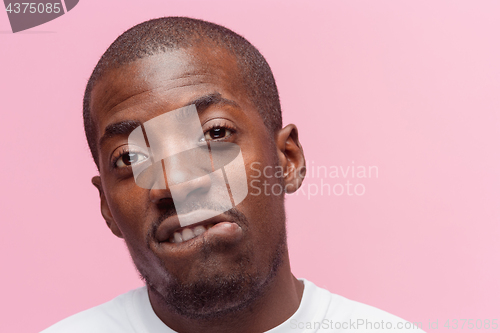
<point>110,317</point>
<point>342,313</point>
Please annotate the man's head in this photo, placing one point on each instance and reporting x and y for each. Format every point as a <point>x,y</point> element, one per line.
<point>154,69</point>
<point>174,33</point>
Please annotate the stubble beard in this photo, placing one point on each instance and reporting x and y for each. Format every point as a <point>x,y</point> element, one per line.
<point>216,296</point>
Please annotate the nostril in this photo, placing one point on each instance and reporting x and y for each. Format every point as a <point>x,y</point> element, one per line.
<point>160,195</point>
<point>166,204</point>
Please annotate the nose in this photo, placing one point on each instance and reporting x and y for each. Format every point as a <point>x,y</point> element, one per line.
<point>185,177</point>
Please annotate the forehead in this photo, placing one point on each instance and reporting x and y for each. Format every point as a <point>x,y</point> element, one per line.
<point>163,82</point>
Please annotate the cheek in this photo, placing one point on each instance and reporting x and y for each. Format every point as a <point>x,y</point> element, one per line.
<point>264,181</point>
<point>128,205</point>
<point>264,205</point>
<point>265,190</point>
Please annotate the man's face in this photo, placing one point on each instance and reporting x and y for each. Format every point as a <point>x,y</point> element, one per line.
<point>242,254</point>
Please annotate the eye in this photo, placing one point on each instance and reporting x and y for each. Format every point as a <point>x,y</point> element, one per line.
<point>127,159</point>
<point>217,133</point>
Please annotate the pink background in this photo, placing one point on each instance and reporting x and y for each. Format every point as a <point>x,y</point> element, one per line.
<point>411,87</point>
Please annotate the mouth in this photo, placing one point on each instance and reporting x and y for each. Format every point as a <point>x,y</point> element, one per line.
<point>184,234</point>
<point>170,230</point>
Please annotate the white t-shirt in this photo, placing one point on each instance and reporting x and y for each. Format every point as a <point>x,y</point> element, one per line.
<point>319,311</point>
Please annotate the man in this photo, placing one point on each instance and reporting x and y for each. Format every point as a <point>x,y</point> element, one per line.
<point>180,116</point>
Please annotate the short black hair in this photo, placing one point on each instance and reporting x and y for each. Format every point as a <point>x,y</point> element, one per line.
<point>169,33</point>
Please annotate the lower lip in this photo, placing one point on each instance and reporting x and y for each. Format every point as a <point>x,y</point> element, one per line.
<point>227,231</point>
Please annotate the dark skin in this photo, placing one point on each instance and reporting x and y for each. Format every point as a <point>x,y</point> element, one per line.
<point>156,84</point>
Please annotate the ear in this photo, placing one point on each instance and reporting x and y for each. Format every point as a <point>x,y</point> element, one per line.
<point>106,213</point>
<point>291,157</point>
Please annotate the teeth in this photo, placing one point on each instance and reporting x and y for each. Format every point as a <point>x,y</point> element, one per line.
<point>177,237</point>
<point>188,233</point>
<point>199,230</point>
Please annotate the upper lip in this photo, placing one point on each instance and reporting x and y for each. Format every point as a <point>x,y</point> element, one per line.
<point>171,224</point>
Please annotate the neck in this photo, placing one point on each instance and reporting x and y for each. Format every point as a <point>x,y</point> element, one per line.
<point>279,301</point>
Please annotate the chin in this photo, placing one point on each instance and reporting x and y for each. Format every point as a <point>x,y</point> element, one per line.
<point>215,294</point>
<point>211,298</point>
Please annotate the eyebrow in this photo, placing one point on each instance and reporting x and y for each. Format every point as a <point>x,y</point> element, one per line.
<point>127,126</point>
<point>202,103</point>
<point>118,129</point>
